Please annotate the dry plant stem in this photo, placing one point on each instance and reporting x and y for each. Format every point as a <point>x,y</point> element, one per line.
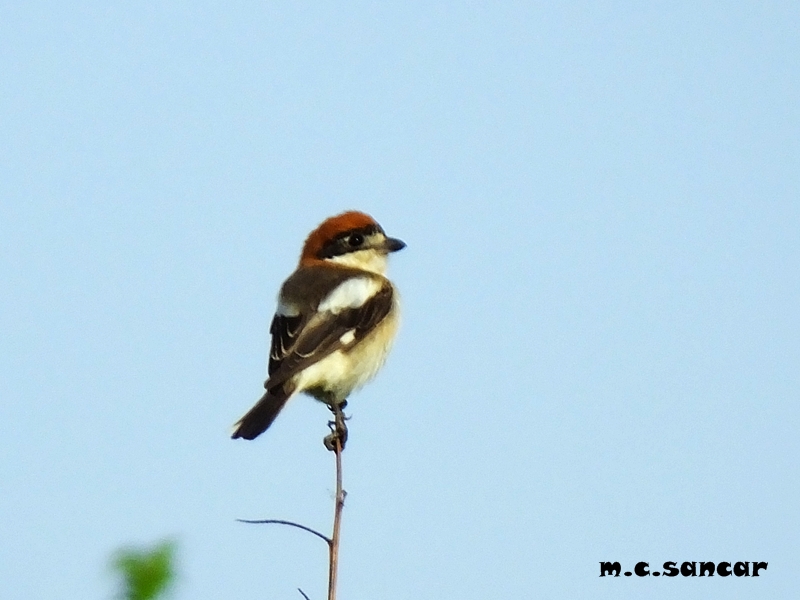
<point>335,442</point>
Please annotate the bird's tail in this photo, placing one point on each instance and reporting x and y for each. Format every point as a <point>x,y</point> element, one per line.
<point>261,416</point>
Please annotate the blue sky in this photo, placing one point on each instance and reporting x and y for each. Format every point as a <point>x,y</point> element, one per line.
<point>599,357</point>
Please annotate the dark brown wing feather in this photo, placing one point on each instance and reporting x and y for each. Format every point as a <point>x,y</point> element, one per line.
<point>312,340</point>
<point>284,331</point>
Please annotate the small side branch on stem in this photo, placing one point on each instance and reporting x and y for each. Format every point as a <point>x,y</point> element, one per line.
<point>291,524</point>
<point>303,594</point>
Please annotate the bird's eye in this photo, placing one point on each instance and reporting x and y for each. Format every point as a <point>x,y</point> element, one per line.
<point>355,240</point>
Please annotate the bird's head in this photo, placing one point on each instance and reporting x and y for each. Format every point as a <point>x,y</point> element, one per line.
<point>353,239</point>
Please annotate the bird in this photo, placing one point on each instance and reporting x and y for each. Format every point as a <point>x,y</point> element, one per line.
<point>336,319</point>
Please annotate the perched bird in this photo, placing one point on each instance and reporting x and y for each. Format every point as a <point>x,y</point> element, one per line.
<point>336,319</point>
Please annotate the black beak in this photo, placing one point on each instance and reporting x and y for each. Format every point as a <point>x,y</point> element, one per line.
<point>393,244</point>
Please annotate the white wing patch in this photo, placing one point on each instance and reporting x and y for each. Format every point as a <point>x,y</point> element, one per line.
<point>348,337</point>
<point>350,294</point>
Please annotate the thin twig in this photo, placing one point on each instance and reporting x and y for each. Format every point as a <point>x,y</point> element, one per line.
<point>303,593</point>
<point>290,523</point>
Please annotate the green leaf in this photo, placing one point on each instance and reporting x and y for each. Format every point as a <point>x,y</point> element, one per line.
<point>146,574</point>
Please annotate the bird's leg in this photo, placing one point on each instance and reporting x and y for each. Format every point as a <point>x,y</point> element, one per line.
<point>337,438</point>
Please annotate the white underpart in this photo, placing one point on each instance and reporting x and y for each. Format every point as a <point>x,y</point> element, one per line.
<point>349,294</point>
<point>368,260</point>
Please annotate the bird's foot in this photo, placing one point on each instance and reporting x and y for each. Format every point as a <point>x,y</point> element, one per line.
<point>337,438</point>
<point>334,407</point>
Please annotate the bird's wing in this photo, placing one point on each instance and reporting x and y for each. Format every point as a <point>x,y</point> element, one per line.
<point>284,330</point>
<point>300,341</point>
